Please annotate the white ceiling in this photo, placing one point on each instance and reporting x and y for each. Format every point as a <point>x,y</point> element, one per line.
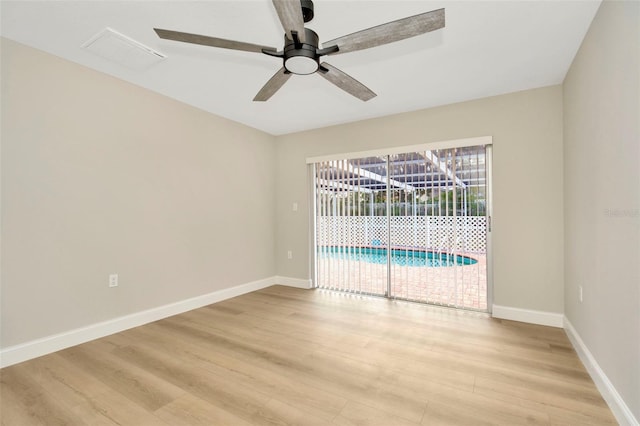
<point>487,48</point>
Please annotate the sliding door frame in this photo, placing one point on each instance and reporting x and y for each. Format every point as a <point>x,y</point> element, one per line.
<point>489,214</point>
<point>487,141</point>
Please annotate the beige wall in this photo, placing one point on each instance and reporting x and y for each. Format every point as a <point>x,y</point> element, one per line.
<point>602,195</point>
<point>528,218</point>
<point>100,176</point>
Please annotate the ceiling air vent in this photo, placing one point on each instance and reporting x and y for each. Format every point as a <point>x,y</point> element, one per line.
<point>123,50</point>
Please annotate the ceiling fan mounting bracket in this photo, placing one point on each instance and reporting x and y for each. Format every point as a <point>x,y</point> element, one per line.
<point>307,10</point>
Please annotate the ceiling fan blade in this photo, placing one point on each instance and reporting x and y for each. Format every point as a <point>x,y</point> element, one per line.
<point>210,41</point>
<point>273,85</point>
<point>290,14</point>
<point>346,82</point>
<point>389,32</point>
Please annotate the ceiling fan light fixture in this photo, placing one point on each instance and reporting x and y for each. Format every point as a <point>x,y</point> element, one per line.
<point>301,57</point>
<point>301,65</point>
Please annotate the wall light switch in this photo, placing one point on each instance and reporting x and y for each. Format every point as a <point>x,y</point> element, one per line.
<point>113,280</point>
<point>295,207</point>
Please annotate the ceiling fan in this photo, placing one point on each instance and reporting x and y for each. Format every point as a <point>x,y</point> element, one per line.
<point>301,53</point>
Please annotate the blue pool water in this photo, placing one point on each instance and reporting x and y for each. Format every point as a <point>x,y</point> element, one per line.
<point>398,257</point>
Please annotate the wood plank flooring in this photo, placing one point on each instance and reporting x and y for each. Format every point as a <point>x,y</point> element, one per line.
<point>285,356</point>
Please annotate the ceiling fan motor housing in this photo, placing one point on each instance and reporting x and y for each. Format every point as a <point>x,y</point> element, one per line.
<point>302,58</point>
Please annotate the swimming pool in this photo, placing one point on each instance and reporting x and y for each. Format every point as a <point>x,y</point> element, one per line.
<point>399,257</point>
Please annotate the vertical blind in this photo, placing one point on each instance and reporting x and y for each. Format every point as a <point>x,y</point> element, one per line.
<point>410,226</point>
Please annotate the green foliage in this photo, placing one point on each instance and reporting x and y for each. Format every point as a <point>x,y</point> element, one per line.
<point>474,206</point>
<point>404,203</point>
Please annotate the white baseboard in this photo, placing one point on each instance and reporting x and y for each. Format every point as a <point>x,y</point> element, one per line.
<point>620,410</point>
<point>35,348</point>
<point>551,319</point>
<point>293,282</point>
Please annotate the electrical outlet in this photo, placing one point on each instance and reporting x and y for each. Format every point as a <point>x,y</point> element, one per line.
<point>580,293</point>
<point>295,207</point>
<point>289,254</point>
<point>113,280</point>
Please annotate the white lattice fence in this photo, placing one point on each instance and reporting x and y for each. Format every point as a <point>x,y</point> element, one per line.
<point>434,232</point>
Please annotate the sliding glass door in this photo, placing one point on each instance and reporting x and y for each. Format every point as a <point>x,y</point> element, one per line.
<point>411,226</point>
<point>351,226</point>
<point>438,227</point>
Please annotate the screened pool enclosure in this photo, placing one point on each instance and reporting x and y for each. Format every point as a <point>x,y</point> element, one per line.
<point>410,226</point>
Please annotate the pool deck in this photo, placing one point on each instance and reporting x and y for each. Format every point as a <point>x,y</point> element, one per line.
<point>463,286</point>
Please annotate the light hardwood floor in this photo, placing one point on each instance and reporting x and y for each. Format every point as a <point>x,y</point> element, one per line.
<point>289,356</point>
